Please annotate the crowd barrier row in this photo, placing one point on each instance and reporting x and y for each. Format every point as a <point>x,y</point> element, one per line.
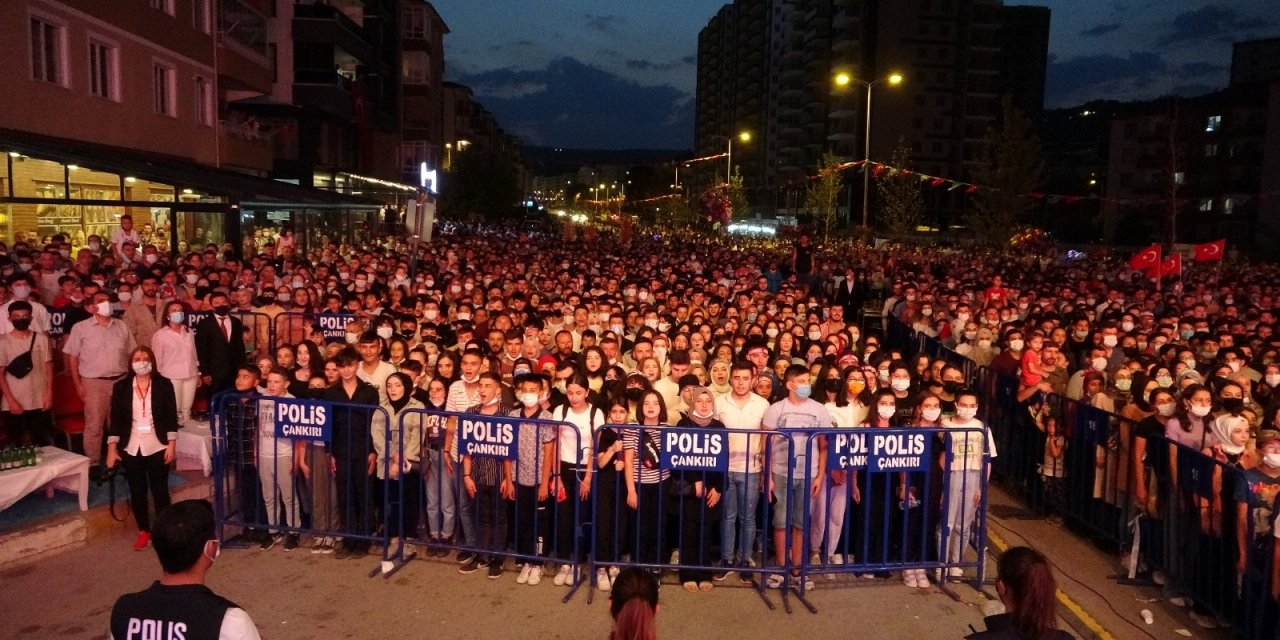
<point>695,501</point>
<point>1176,511</point>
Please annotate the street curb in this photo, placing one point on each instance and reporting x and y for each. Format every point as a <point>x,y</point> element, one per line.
<point>1080,621</point>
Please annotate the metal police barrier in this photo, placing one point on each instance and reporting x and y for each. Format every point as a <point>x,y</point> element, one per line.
<point>292,327</point>
<point>287,467</point>
<point>907,499</point>
<point>496,487</point>
<point>260,331</point>
<point>662,491</point>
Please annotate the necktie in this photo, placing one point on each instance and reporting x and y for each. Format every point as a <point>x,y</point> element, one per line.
<point>226,335</point>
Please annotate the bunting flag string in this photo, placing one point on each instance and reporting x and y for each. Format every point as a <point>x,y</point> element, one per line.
<point>705,158</point>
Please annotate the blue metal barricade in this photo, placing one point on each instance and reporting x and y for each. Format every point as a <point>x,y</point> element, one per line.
<point>292,327</point>
<point>295,467</point>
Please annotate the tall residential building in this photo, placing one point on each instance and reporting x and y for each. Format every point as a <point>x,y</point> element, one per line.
<point>422,77</point>
<point>957,57</point>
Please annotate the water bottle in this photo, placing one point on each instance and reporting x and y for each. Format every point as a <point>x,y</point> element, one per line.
<point>32,455</point>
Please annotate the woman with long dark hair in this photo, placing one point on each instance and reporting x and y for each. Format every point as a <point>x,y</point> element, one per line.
<point>1026,587</point>
<point>633,603</point>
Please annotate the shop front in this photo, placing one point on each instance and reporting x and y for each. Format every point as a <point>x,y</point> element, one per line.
<point>52,186</point>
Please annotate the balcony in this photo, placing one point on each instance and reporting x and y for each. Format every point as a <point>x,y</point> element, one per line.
<point>323,24</point>
<point>325,90</point>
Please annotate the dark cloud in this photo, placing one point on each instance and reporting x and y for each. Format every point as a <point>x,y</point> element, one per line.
<point>1193,89</point>
<point>1209,22</point>
<point>573,104</point>
<point>645,65</point>
<point>1082,78</point>
<point>603,23</point>
<point>689,59</point>
<point>1202,68</point>
<point>1100,30</point>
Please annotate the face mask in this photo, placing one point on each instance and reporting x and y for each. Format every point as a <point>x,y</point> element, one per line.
<point>1187,333</point>
<point>520,372</point>
<point>660,353</point>
<point>562,386</point>
<point>95,246</point>
<point>664,327</point>
<point>1166,409</point>
<point>885,411</point>
<point>1271,459</point>
<point>883,375</point>
<point>616,328</point>
<point>1273,379</point>
<point>21,292</point>
<point>1191,364</point>
<point>1124,384</point>
<point>772,332</point>
<point>962,318</point>
<point>177,317</point>
<point>856,387</point>
<point>352,337</point>
<point>803,390</point>
<point>103,309</point>
<point>1016,345</point>
<point>984,344</point>
<point>900,385</point>
<point>1233,405</point>
<point>966,413</point>
<point>142,368</point>
<point>970,335</point>
<point>1082,334</point>
<point>529,400</point>
<point>222,309</point>
<point>926,312</point>
<point>385,332</point>
<point>151,258</point>
<point>815,335</point>
<point>21,324</point>
<point>463,317</point>
<point>1126,327</point>
<point>1099,364</point>
<point>1109,341</point>
<point>65,253</point>
<point>1209,355</point>
<point>1200,411</point>
<point>930,414</point>
<point>125,296</point>
<point>191,278</point>
<point>1235,365</point>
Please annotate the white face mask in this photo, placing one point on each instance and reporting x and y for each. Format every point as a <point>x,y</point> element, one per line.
<point>125,296</point>
<point>1271,460</point>
<point>772,332</point>
<point>352,338</point>
<point>900,385</point>
<point>142,368</point>
<point>21,292</point>
<point>1200,411</point>
<point>930,414</point>
<point>1273,379</point>
<point>431,314</point>
<point>385,332</point>
<point>1166,409</point>
<point>886,412</point>
<point>1099,364</point>
<point>529,400</point>
<point>1109,341</point>
<point>815,335</point>
<point>103,309</point>
<point>1016,345</point>
<point>966,413</point>
<point>463,317</point>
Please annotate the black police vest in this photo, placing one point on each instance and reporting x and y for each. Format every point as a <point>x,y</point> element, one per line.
<point>183,612</point>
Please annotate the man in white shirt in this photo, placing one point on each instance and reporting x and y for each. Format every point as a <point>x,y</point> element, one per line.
<point>373,369</point>
<point>741,409</point>
<point>126,233</point>
<point>968,471</point>
<point>20,287</point>
<point>669,386</point>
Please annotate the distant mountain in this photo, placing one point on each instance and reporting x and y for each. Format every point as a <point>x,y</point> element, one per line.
<point>553,160</point>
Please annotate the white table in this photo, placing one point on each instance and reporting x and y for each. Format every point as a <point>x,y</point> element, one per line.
<point>55,468</point>
<point>194,450</point>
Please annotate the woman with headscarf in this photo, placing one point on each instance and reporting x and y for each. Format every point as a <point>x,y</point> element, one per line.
<point>397,442</point>
<point>696,500</point>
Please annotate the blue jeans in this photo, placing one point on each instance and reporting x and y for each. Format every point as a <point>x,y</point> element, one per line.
<point>440,497</point>
<point>741,496</point>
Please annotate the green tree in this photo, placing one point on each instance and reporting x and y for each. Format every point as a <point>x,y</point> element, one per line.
<point>482,185</point>
<point>901,204</point>
<point>737,195</point>
<point>821,195</point>
<point>1012,169</point>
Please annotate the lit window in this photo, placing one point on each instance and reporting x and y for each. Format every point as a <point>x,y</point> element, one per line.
<point>1213,123</point>
<point>1228,205</point>
<point>48,46</point>
<point>416,67</point>
<point>1179,178</point>
<point>1206,204</point>
<point>163,89</point>
<point>103,70</point>
<point>1210,150</point>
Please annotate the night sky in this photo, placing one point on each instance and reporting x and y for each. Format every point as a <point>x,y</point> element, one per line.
<point>617,75</point>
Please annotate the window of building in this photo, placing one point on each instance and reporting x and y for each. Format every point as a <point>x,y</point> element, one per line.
<point>1210,150</point>
<point>417,66</point>
<point>412,154</point>
<point>1179,177</point>
<point>204,101</point>
<point>202,16</point>
<point>48,52</point>
<point>1213,124</point>
<point>163,89</point>
<point>415,23</point>
<point>1206,204</point>
<point>163,5</point>
<point>1228,205</point>
<point>104,70</point>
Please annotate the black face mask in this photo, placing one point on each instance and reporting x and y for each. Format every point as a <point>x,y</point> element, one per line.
<point>634,394</point>
<point>266,300</point>
<point>222,309</point>
<point>951,387</point>
<point>1232,405</point>
<point>21,324</point>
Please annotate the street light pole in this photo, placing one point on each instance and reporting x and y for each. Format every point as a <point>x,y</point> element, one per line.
<point>866,156</point>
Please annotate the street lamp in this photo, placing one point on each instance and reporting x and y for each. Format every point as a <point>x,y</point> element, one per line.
<point>843,79</point>
<point>743,136</point>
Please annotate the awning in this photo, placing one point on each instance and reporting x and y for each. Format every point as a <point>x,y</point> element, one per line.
<point>182,172</point>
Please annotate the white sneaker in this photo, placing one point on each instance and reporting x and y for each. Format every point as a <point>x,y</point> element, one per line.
<point>955,572</point>
<point>775,581</point>
<point>814,559</point>
<point>603,582</point>
<point>922,579</point>
<point>523,578</point>
<point>563,576</point>
<point>834,561</point>
<point>535,576</point>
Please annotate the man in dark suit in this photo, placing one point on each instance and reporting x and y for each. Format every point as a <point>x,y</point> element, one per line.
<point>850,294</point>
<point>219,345</point>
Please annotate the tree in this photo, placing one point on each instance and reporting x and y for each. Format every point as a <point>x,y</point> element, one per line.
<point>901,205</point>
<point>1012,169</point>
<point>821,195</point>
<point>483,184</point>
<point>737,195</point>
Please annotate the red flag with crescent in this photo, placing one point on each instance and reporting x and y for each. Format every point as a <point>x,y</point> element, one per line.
<point>1148,258</point>
<point>1211,251</point>
<point>1172,266</point>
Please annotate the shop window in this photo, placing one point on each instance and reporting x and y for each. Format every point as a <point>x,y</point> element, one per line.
<point>104,70</point>
<point>6,223</point>
<point>48,52</point>
<point>5,182</point>
<point>93,185</point>
<point>29,174</point>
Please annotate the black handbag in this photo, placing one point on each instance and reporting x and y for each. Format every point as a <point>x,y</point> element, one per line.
<point>22,365</point>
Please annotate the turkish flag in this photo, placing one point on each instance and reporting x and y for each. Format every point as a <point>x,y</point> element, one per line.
<point>1148,258</point>
<point>1172,266</point>
<point>1211,251</point>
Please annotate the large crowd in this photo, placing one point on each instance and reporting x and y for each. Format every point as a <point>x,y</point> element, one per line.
<point>593,328</point>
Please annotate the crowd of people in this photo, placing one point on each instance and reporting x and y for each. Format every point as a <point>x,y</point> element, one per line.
<point>590,328</point>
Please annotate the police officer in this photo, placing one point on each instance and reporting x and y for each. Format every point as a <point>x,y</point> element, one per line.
<point>178,605</point>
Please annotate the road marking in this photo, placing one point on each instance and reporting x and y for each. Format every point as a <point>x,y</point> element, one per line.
<point>1077,611</point>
